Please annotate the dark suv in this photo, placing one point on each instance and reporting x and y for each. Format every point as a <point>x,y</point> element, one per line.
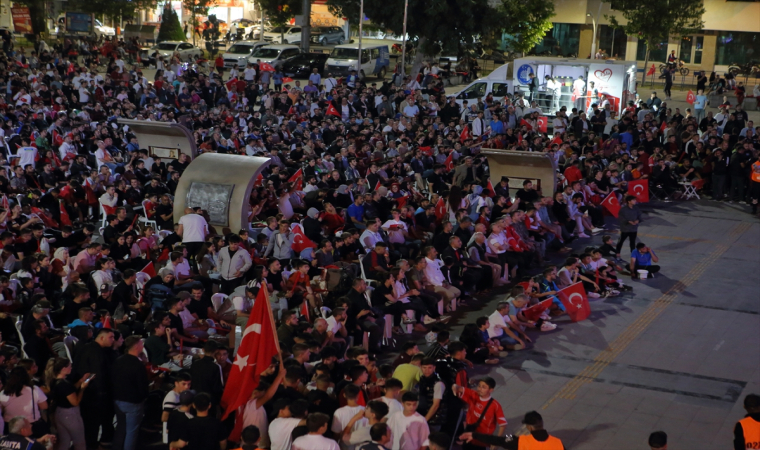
<point>303,64</point>
<point>327,35</point>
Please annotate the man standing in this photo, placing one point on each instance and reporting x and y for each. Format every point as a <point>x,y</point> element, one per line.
<point>129,398</point>
<point>630,218</point>
<point>193,229</point>
<point>409,428</point>
<point>97,403</point>
<point>234,262</point>
<point>484,413</point>
<point>747,430</point>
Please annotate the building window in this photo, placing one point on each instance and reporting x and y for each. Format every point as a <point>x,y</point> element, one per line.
<point>612,41</point>
<point>735,47</point>
<point>658,52</point>
<point>691,49</point>
<point>562,40</point>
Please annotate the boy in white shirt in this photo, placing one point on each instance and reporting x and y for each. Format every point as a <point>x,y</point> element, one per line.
<point>317,426</point>
<point>392,389</point>
<point>281,428</point>
<point>343,415</point>
<point>409,429</point>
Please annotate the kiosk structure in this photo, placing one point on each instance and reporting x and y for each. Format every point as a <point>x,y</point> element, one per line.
<point>520,166</point>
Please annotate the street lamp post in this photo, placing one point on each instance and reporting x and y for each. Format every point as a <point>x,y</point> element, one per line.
<point>402,72</point>
<point>359,56</point>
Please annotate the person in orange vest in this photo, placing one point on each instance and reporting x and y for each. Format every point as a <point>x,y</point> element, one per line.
<point>538,439</point>
<point>754,188</point>
<point>747,430</point>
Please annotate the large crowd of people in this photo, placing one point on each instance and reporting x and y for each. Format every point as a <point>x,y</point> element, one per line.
<point>376,219</point>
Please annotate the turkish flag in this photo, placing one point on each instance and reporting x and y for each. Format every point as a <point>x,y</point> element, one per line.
<point>257,348</point>
<point>534,312</point>
<point>440,209</point>
<point>639,189</point>
<point>465,134</point>
<point>300,241</point>
<point>449,163</point>
<point>287,80</point>
<point>690,98</point>
<point>149,269</point>
<point>651,70</point>
<point>402,200</point>
<point>331,111</point>
<point>612,204</point>
<point>297,178</point>
<point>575,301</point>
<point>65,219</point>
<point>266,67</point>
<point>543,124</point>
<point>259,180</point>
<point>5,203</point>
<point>305,309</point>
<point>490,188</point>
<point>378,185</point>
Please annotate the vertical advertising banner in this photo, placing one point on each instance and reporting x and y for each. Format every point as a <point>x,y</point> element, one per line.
<point>22,20</point>
<point>607,83</point>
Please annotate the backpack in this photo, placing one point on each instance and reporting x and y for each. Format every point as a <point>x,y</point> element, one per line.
<point>157,295</point>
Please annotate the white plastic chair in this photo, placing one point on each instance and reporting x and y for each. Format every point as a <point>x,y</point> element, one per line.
<point>217,300</point>
<point>69,342</point>
<point>19,322</point>
<point>144,219</point>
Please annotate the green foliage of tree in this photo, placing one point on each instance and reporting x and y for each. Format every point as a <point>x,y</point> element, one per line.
<point>279,12</point>
<point>653,21</point>
<point>171,29</point>
<point>526,22</point>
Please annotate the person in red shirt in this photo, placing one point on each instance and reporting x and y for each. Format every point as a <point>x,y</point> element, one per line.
<point>573,173</point>
<point>484,414</point>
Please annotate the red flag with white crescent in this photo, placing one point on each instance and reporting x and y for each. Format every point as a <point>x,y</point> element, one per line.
<point>440,209</point>
<point>402,200</point>
<point>690,97</point>
<point>492,191</point>
<point>639,189</point>
<point>300,241</point>
<point>298,179</point>
<point>465,134</point>
<point>258,346</point>
<point>543,124</point>
<point>449,163</point>
<point>149,269</point>
<point>534,312</point>
<point>332,111</point>
<point>575,301</point>
<point>266,67</point>
<point>612,204</point>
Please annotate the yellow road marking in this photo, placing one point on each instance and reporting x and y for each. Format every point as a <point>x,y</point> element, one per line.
<point>624,339</point>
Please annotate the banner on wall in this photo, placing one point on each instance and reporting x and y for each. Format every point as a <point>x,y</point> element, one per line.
<point>607,83</point>
<point>22,20</point>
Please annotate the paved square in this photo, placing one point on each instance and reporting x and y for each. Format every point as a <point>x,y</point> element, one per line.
<point>677,354</point>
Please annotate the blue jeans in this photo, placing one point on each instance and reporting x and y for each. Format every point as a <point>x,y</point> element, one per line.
<point>128,419</point>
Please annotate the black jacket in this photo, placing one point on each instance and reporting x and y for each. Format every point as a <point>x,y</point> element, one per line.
<point>207,377</point>
<point>130,376</point>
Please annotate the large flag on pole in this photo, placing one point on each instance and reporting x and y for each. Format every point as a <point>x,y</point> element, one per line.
<point>258,346</point>
<point>575,301</point>
<point>639,189</point>
<point>612,204</point>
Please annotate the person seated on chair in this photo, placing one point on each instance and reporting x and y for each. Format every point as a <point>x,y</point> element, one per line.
<point>642,258</point>
<point>377,261</point>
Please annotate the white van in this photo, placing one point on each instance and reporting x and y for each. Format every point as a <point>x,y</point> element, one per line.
<point>343,58</point>
<point>274,54</point>
<point>238,53</point>
<point>498,83</point>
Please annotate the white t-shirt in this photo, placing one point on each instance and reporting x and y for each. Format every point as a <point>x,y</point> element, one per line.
<point>26,156</point>
<point>393,405</point>
<point>194,228</point>
<point>409,433</point>
<point>332,325</point>
<point>279,432</point>
<point>171,402</point>
<point>249,73</point>
<point>182,268</point>
<point>499,239</point>
<point>256,415</point>
<point>242,304</point>
<point>25,405</point>
<point>314,442</point>
<point>496,321</point>
<point>341,418</point>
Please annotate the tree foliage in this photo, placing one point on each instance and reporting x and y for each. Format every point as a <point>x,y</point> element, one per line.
<point>526,22</point>
<point>279,12</point>
<point>171,29</point>
<point>653,21</point>
<point>443,23</point>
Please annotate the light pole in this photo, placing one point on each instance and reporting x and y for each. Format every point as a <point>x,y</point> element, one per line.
<point>593,22</point>
<point>359,56</point>
<point>402,72</point>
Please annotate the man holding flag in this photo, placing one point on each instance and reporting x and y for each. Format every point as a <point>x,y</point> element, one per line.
<point>258,346</point>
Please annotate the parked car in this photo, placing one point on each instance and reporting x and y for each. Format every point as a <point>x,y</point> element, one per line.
<point>238,53</point>
<point>303,64</point>
<point>274,54</point>
<point>283,35</point>
<point>328,35</point>
<point>187,52</point>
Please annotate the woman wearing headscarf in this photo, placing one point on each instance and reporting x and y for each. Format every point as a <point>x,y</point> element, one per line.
<point>312,225</point>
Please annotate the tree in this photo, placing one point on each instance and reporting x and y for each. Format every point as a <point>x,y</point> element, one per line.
<point>171,29</point>
<point>526,22</point>
<point>656,20</point>
<point>279,12</point>
<point>434,24</point>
